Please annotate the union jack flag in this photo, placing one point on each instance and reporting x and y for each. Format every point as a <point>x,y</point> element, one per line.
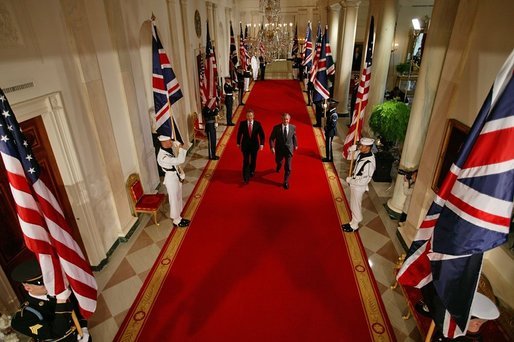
<point>321,82</point>
<point>470,214</point>
<point>45,230</point>
<point>314,69</point>
<point>307,56</point>
<point>166,89</point>
<point>233,55</point>
<point>354,132</point>
<point>331,67</point>
<point>209,84</point>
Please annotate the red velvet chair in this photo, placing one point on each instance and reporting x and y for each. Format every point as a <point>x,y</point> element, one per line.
<point>198,130</point>
<point>141,202</point>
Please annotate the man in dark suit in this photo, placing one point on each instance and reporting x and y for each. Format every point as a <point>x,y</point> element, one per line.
<point>209,115</point>
<point>330,130</point>
<point>283,143</point>
<point>250,139</point>
<point>229,99</point>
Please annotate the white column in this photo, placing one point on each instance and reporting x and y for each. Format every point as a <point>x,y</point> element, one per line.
<point>190,74</point>
<point>384,12</point>
<point>333,27</point>
<point>434,54</point>
<point>347,28</point>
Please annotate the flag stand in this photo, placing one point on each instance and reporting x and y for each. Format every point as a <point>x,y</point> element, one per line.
<point>355,138</point>
<point>430,332</point>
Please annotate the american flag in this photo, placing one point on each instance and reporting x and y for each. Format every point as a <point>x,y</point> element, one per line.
<point>317,53</point>
<point>331,67</point>
<point>307,56</point>
<point>470,214</point>
<point>354,132</point>
<point>209,86</point>
<point>243,61</point>
<point>41,218</point>
<point>166,89</point>
<point>321,82</point>
<point>233,55</point>
<point>262,49</point>
<point>294,50</point>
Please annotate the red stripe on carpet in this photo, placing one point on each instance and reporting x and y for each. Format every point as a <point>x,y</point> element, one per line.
<point>260,262</point>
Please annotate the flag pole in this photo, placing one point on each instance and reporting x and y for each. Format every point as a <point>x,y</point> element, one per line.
<point>430,332</point>
<point>76,322</point>
<point>355,138</point>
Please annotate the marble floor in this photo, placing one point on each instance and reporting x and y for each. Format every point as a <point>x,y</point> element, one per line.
<point>123,276</point>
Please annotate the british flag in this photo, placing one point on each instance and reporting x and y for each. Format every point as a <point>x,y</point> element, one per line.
<point>233,55</point>
<point>307,55</point>
<point>166,89</point>
<point>354,132</point>
<point>470,214</point>
<point>294,50</point>
<point>321,82</point>
<point>45,230</point>
<point>331,67</point>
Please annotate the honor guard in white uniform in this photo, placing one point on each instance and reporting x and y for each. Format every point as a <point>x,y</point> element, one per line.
<point>361,176</point>
<point>169,161</point>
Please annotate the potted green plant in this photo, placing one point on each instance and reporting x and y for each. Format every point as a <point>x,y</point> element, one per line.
<point>403,68</point>
<point>389,122</point>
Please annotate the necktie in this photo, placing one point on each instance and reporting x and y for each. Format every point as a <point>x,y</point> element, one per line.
<point>250,129</point>
<point>285,133</point>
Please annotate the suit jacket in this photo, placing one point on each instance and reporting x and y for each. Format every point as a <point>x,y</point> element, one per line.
<point>247,141</point>
<point>285,145</point>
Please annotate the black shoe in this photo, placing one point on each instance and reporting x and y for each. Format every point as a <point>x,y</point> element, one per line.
<point>214,158</point>
<point>286,185</point>
<point>277,168</point>
<point>183,223</point>
<point>422,308</point>
<point>326,160</point>
<point>316,125</point>
<point>242,104</point>
<point>245,181</point>
<point>231,124</point>
<point>347,228</point>
<point>252,174</point>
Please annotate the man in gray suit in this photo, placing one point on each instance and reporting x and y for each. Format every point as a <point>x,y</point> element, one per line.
<point>283,143</point>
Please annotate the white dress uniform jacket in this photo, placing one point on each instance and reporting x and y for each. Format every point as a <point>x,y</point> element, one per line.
<point>361,176</point>
<point>173,180</point>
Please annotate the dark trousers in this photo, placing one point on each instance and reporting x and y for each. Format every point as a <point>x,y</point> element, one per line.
<point>210,130</point>
<point>319,114</point>
<point>228,104</point>
<point>241,93</point>
<point>249,163</point>
<point>328,148</point>
<point>263,72</point>
<point>287,157</point>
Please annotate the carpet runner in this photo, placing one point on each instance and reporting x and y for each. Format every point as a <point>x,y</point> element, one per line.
<point>259,262</point>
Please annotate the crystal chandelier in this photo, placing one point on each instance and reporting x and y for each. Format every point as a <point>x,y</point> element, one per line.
<point>274,35</point>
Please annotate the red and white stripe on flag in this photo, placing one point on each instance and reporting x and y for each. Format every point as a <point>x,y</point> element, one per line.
<point>354,132</point>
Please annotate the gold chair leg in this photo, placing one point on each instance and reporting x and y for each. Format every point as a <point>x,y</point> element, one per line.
<point>155,217</point>
<point>407,315</point>
<point>395,285</point>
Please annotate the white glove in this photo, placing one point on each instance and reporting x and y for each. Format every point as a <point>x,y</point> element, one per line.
<point>176,143</point>
<point>352,148</point>
<point>85,335</point>
<point>64,295</point>
<point>348,179</point>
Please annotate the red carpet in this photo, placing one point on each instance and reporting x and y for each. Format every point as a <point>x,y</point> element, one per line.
<point>261,263</point>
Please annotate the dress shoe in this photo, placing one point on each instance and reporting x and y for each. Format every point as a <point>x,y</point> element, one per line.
<point>347,228</point>
<point>286,185</point>
<point>316,125</point>
<point>231,124</point>
<point>183,223</point>
<point>214,158</point>
<point>422,308</point>
<point>326,160</point>
<point>252,174</point>
<point>277,168</point>
<point>246,181</point>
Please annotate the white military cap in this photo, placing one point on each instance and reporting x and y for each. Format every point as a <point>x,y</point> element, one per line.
<point>366,141</point>
<point>484,308</point>
<point>163,138</point>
